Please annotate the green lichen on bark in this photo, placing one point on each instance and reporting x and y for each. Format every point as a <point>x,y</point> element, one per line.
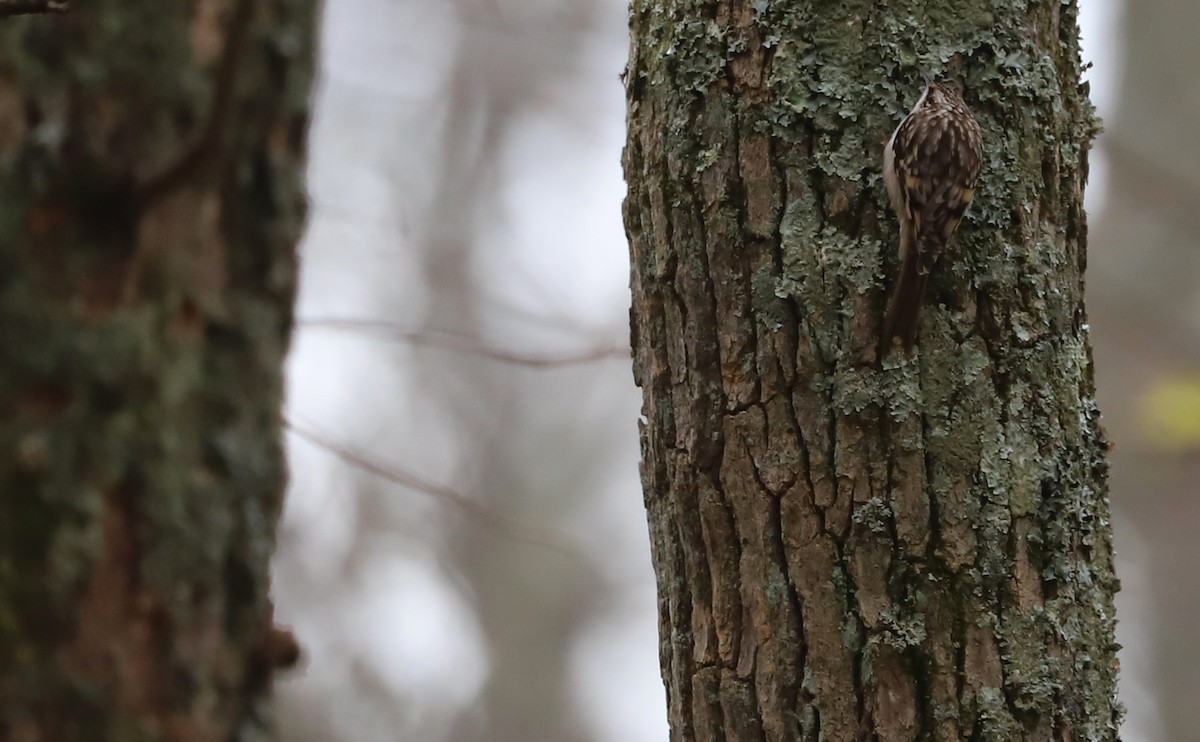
<point>942,522</point>
<point>144,332</point>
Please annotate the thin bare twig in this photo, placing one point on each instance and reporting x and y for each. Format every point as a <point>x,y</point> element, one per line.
<point>31,7</point>
<point>462,343</point>
<point>514,529</point>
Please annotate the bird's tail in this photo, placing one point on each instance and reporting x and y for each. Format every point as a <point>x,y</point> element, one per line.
<point>904,305</point>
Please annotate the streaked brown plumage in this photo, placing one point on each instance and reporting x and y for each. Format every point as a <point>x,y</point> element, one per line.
<point>931,167</point>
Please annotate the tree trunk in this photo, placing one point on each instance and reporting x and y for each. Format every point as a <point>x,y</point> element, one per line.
<point>150,163</point>
<point>851,548</point>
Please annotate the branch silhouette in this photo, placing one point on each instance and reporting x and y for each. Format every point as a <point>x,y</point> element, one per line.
<point>31,7</point>
<point>514,529</point>
<point>462,343</point>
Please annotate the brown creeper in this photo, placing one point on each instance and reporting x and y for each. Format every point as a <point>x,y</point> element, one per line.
<point>931,168</point>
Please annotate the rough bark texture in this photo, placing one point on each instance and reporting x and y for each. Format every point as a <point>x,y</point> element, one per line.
<point>150,163</point>
<point>850,549</point>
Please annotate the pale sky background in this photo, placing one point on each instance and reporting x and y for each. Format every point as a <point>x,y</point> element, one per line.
<point>378,137</point>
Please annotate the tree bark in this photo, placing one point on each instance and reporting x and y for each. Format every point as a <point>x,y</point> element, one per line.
<point>851,548</point>
<point>150,203</point>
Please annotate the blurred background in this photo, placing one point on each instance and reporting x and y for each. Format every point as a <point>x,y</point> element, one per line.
<point>463,555</point>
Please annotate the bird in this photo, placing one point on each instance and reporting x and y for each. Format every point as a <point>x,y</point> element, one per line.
<point>931,167</point>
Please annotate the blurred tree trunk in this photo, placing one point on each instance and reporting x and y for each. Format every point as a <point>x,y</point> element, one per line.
<point>1154,204</point>
<point>846,548</point>
<point>150,202</point>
